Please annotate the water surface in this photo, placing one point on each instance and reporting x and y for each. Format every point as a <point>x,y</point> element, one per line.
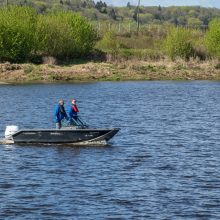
<point>164,163</point>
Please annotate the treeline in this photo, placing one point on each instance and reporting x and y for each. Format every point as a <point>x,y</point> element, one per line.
<point>100,11</point>
<point>26,35</point>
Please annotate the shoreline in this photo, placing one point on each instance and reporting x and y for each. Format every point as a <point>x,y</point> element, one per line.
<point>130,70</point>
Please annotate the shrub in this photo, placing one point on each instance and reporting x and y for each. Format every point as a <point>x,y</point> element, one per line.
<point>140,54</point>
<point>26,35</point>
<point>83,33</point>
<point>17,25</point>
<point>53,36</point>
<point>213,38</point>
<point>65,34</point>
<point>178,44</point>
<point>109,42</point>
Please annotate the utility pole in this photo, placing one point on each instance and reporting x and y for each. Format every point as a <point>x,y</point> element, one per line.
<point>138,16</point>
<point>6,3</point>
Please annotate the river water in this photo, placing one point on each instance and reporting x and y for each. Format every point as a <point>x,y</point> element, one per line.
<point>163,164</point>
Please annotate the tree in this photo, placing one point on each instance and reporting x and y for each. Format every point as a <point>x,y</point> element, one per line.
<point>68,2</point>
<point>146,18</point>
<point>159,8</point>
<point>101,6</point>
<point>135,15</point>
<point>112,14</point>
<point>179,44</point>
<point>194,22</point>
<point>181,20</point>
<point>65,34</point>
<point>84,4</point>
<point>213,38</point>
<point>105,5</point>
<point>17,35</point>
<point>129,5</point>
<point>109,42</point>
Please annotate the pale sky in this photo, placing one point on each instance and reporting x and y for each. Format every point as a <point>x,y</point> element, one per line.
<point>204,3</point>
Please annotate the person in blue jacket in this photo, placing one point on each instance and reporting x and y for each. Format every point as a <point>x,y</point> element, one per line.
<point>73,110</point>
<point>60,114</point>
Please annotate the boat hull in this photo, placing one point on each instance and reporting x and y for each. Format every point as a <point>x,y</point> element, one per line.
<point>64,136</point>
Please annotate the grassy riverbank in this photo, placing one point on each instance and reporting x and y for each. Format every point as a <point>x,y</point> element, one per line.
<point>161,51</point>
<point>110,71</point>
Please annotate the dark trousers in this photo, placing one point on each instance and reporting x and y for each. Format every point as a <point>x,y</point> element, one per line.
<point>58,125</point>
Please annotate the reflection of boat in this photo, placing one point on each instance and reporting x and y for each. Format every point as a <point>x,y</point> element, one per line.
<point>76,132</point>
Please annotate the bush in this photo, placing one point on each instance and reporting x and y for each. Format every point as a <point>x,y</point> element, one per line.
<point>17,25</point>
<point>25,35</point>
<point>213,38</point>
<point>140,54</point>
<point>178,44</point>
<point>65,34</point>
<point>53,36</point>
<point>83,33</point>
<point>109,42</point>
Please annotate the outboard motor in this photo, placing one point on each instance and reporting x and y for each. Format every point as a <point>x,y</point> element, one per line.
<point>10,130</point>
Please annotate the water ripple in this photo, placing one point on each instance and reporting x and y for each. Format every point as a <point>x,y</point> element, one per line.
<point>164,164</point>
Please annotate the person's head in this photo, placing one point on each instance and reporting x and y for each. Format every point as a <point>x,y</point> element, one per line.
<point>74,101</point>
<point>61,102</point>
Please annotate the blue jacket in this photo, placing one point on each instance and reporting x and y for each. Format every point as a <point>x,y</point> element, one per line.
<point>72,112</point>
<point>59,114</point>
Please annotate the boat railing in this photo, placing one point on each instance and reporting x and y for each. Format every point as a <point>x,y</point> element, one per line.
<point>75,122</point>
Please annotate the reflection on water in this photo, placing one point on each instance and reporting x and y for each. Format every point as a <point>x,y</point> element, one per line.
<point>164,163</point>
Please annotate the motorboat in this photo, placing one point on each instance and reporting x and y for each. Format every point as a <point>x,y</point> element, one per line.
<point>75,132</point>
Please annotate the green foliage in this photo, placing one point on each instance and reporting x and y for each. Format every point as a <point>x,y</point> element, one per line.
<point>198,41</point>
<point>57,31</point>
<point>65,34</point>
<point>178,44</point>
<point>112,14</point>
<point>187,15</point>
<point>146,18</point>
<point>109,42</point>
<point>82,32</point>
<point>17,25</point>
<point>194,22</point>
<point>25,34</point>
<point>213,38</point>
<point>140,54</point>
<point>53,36</point>
<point>217,66</point>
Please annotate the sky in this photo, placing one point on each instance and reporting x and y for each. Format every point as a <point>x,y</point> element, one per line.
<point>204,3</point>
